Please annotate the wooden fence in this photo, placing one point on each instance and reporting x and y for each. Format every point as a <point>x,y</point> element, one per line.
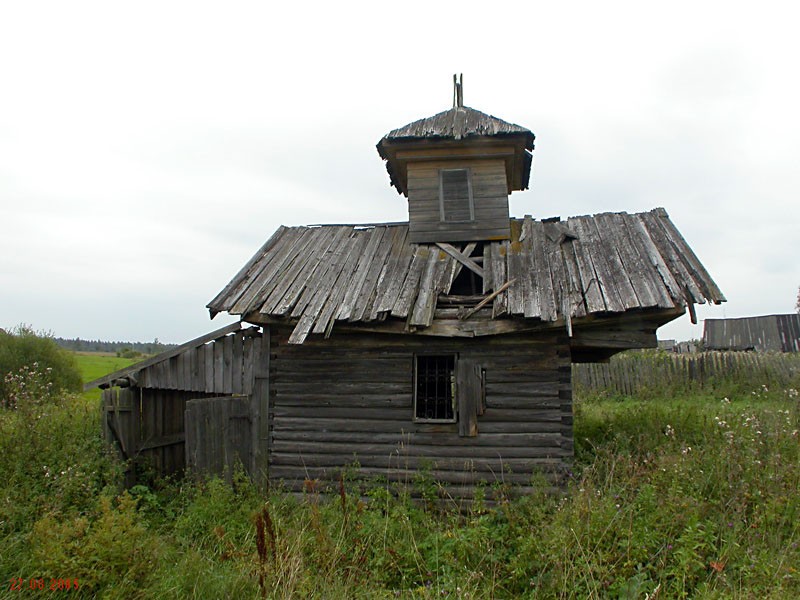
<point>221,434</point>
<point>633,373</point>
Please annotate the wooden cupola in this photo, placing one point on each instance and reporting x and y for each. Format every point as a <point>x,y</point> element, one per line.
<point>457,169</point>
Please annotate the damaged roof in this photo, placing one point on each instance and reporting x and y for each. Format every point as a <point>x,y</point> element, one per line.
<point>457,123</point>
<point>549,270</point>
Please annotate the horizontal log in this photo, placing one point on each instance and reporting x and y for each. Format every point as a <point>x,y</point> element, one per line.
<point>494,442</point>
<point>354,401</point>
<point>333,388</point>
<point>334,412</point>
<point>399,426</point>
<point>551,448</point>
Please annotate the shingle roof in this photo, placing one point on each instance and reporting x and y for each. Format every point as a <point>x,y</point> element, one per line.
<point>587,265</point>
<point>457,123</point>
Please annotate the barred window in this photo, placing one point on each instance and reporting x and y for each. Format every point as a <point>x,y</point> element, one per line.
<point>455,195</point>
<point>434,388</point>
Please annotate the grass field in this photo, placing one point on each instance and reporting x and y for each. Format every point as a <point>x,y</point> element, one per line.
<point>94,365</point>
<point>687,496</point>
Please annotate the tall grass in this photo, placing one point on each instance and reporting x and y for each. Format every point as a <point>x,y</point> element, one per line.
<point>670,497</point>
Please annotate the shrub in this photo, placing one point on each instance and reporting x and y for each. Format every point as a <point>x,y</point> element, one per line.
<point>23,350</point>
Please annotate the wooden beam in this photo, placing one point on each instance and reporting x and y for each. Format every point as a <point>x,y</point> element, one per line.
<point>462,258</point>
<point>488,299</point>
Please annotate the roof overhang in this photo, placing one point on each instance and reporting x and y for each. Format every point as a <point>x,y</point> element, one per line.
<point>511,148</point>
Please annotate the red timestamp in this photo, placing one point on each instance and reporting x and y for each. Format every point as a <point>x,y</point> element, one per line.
<point>20,584</point>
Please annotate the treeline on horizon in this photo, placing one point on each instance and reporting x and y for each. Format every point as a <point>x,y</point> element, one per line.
<point>79,345</point>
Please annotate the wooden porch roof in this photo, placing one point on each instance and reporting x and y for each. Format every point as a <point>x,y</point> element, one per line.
<point>550,270</point>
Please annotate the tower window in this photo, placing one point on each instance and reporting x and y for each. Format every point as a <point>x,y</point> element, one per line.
<point>434,388</point>
<point>455,195</point>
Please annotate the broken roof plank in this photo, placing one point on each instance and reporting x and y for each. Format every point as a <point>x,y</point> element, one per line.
<point>388,271</point>
<point>347,259</point>
<point>596,256</point>
<point>273,268</point>
<point>663,283</point>
<point>408,291</point>
<point>499,275</point>
<point>699,275</point>
<point>639,273</point>
<point>671,257</point>
<point>615,274</point>
<point>586,265</point>
<point>226,298</point>
<point>365,262</point>
<point>288,292</point>
<point>425,305</point>
<point>393,282</point>
<point>530,282</point>
<point>589,285</point>
<point>548,304</point>
<point>362,306</point>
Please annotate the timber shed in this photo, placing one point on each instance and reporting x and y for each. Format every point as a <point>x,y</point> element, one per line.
<point>767,333</point>
<point>441,344</point>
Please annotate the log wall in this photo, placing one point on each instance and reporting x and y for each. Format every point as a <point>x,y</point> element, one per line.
<point>349,400</point>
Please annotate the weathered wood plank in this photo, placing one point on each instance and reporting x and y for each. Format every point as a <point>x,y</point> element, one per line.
<point>289,291</point>
<point>227,364</point>
<point>344,263</point>
<point>408,291</point>
<point>282,255</point>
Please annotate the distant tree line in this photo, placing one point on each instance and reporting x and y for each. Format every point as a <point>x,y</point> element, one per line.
<point>121,348</point>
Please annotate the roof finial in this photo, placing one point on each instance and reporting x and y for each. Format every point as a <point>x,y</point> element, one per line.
<point>458,90</point>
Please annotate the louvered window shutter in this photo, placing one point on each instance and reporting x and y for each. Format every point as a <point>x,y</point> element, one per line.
<point>455,195</point>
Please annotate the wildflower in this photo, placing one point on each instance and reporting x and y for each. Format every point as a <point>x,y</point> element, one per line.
<point>669,431</point>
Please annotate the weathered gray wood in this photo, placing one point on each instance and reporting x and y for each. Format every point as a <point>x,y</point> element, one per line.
<point>219,365</point>
<point>362,305</point>
<point>163,357</point>
<point>464,259</point>
<point>365,263</point>
<point>589,285</point>
<point>408,291</point>
<point>293,243</point>
<point>261,402</point>
<point>208,358</point>
<point>231,292</point>
<point>564,270</point>
<point>248,358</point>
<point>469,393</point>
<point>218,435</point>
<point>425,305</point>
<point>351,396</point>
<point>341,272</point>
<point>399,256</point>
<point>290,290</point>
<point>227,364</point>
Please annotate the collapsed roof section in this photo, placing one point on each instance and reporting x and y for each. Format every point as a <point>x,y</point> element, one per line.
<point>549,272</point>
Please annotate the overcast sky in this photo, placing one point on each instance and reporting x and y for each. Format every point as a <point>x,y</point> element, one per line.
<point>148,149</point>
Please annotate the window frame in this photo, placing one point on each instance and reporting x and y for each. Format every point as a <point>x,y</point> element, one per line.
<point>470,198</point>
<point>453,389</point>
